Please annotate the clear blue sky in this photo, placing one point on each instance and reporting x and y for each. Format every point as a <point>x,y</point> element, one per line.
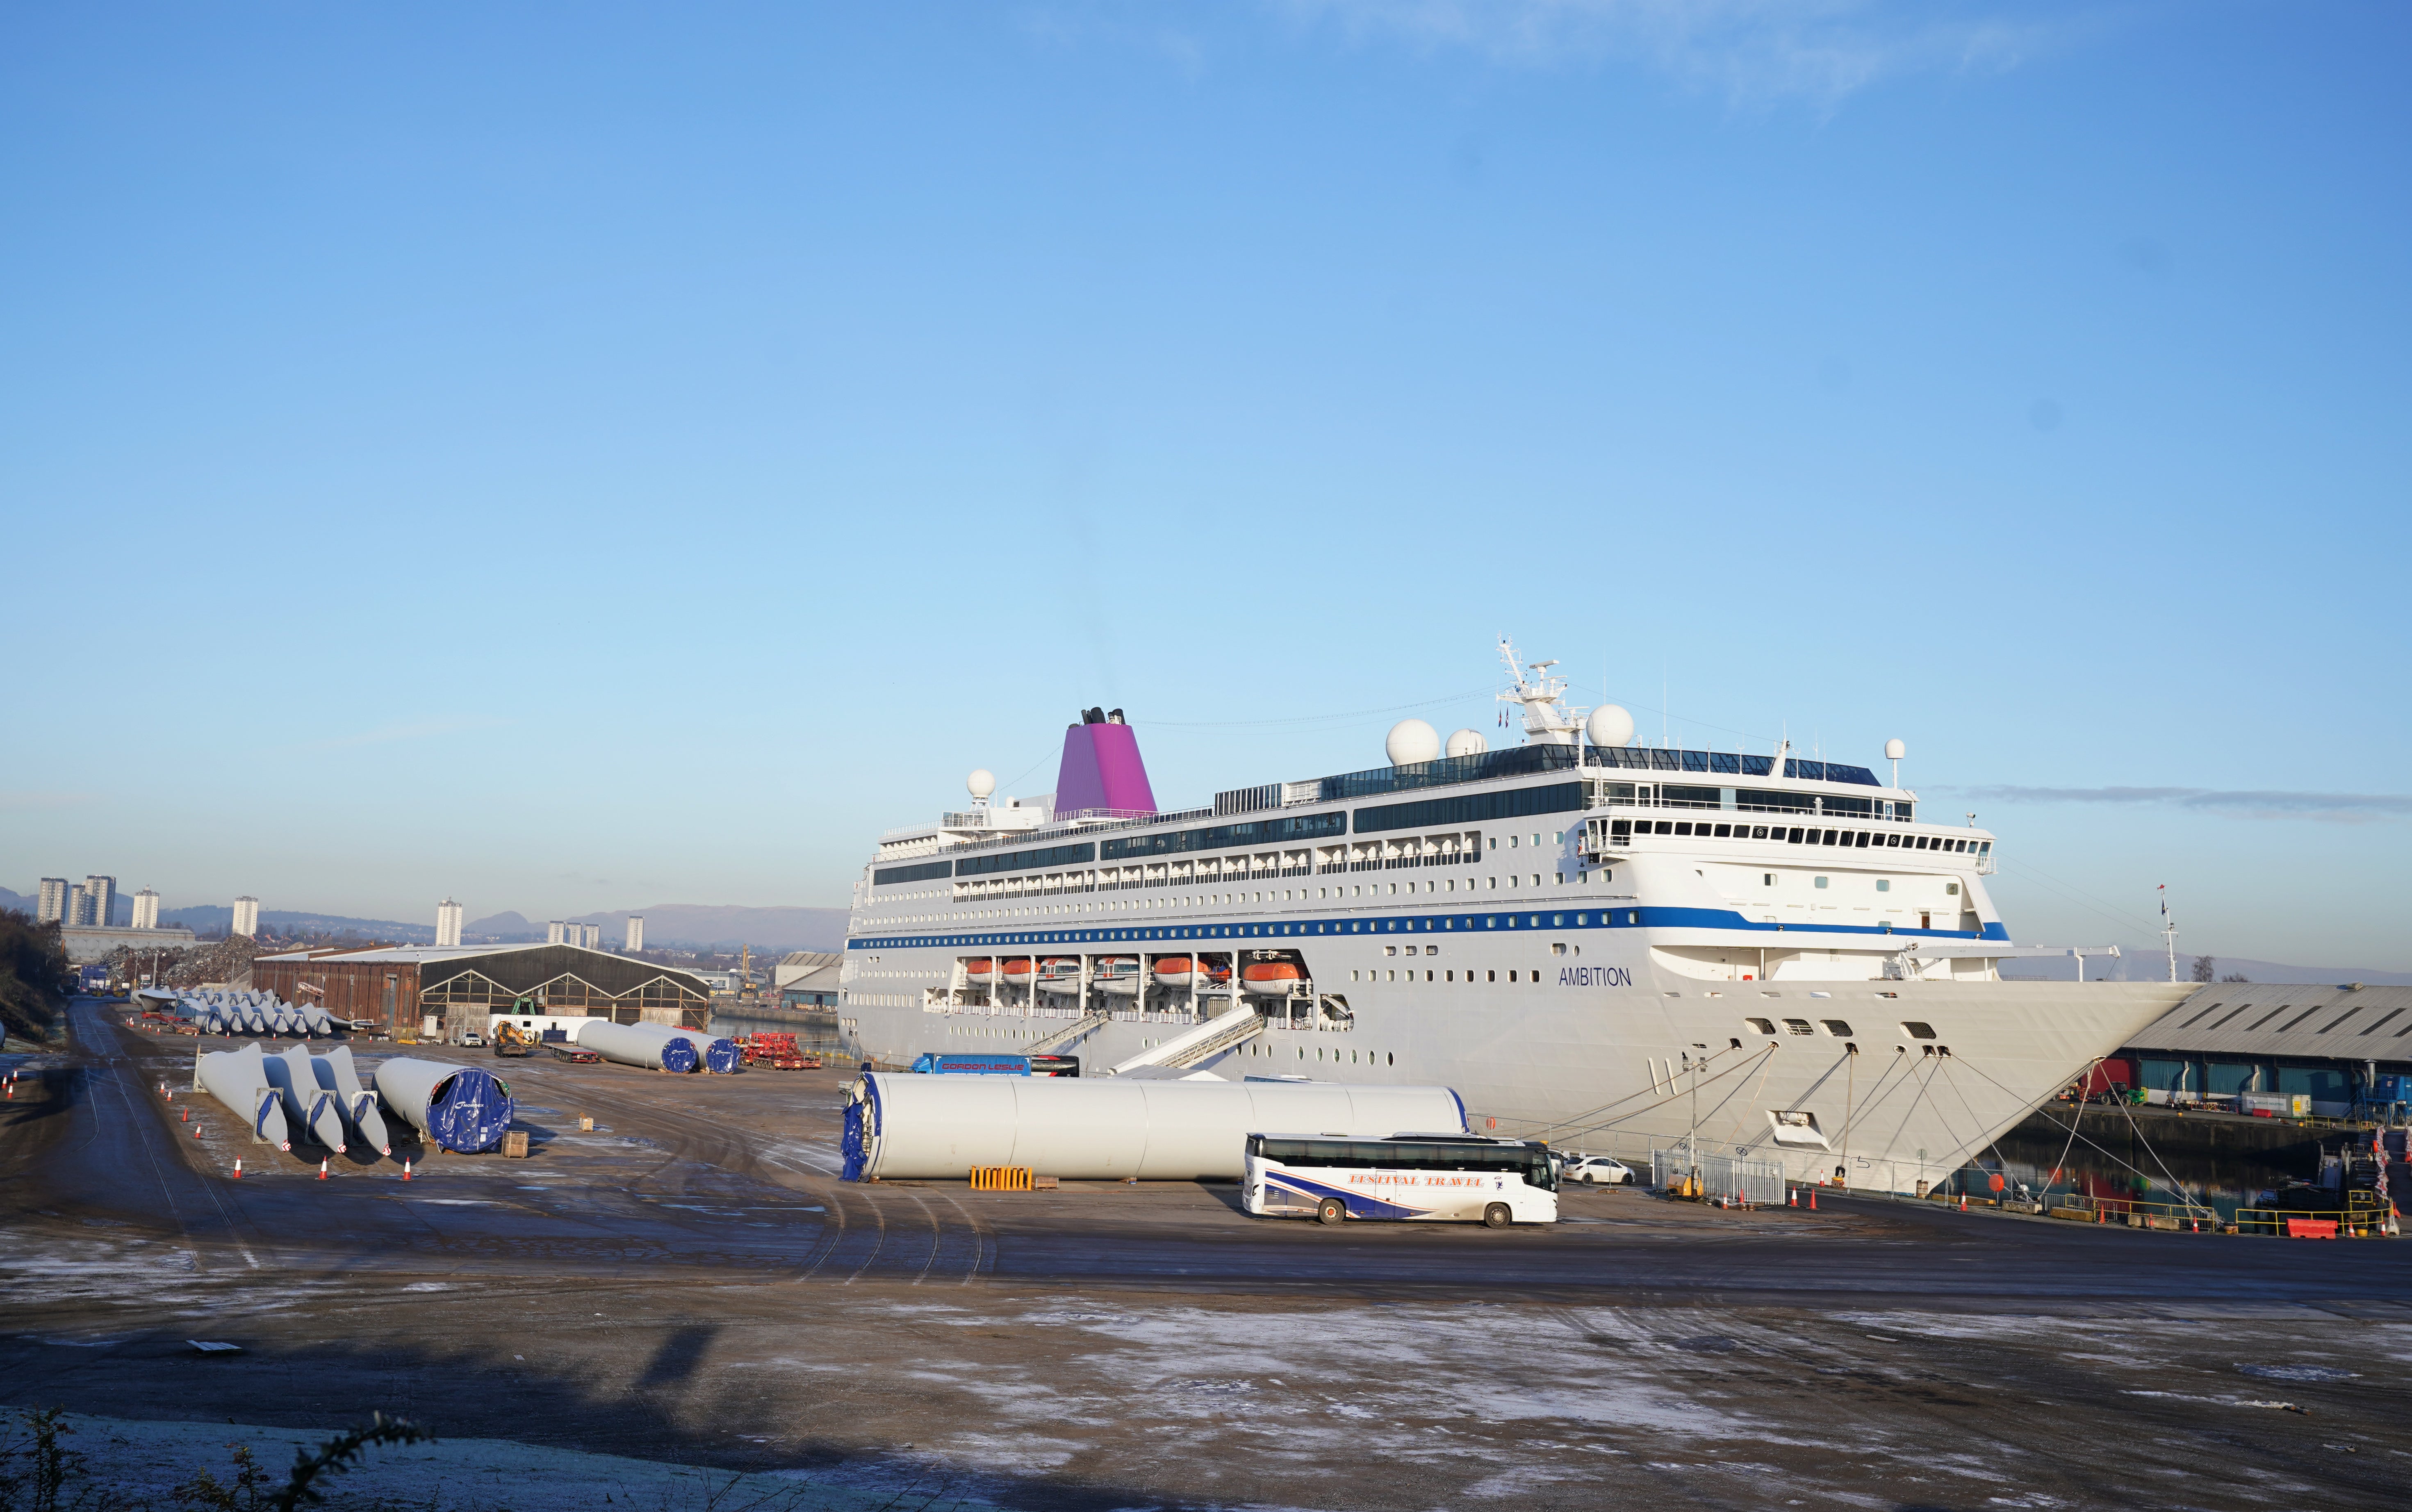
<point>584,456</point>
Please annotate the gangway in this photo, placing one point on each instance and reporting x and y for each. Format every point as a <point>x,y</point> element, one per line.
<point>1206,1040</point>
<point>1066,1036</point>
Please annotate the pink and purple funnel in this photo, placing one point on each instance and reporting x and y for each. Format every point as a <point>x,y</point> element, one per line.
<point>1102,769</point>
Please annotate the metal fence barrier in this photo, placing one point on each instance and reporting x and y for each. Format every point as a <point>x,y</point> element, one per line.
<point>1759,1183</point>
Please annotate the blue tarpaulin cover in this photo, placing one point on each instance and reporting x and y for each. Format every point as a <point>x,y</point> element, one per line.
<point>470,1112</point>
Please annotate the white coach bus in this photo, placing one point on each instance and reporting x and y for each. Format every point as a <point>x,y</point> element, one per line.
<point>1459,1178</point>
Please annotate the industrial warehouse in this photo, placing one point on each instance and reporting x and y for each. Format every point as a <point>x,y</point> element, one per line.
<point>447,991</point>
<point>2338,1050</point>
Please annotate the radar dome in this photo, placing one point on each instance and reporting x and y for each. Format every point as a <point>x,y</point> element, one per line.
<point>1894,750</point>
<point>1609,726</point>
<point>981,782</point>
<point>1412,741</point>
<point>1467,742</point>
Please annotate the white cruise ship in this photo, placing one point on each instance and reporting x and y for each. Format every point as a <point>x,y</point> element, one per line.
<point>1607,945</point>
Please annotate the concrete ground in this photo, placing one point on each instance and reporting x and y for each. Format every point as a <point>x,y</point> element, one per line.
<point>687,1289</point>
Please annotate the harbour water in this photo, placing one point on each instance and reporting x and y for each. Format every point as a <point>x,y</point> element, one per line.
<point>816,1033</point>
<point>2145,1156</point>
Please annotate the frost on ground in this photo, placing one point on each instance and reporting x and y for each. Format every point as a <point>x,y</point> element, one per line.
<point>145,1460</point>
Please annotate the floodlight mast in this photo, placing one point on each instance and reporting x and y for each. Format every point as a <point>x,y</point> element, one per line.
<point>2169,930</point>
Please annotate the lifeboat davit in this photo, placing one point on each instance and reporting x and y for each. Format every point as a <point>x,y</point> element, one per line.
<point>1118,974</point>
<point>979,973</point>
<point>1017,973</point>
<point>1271,978</point>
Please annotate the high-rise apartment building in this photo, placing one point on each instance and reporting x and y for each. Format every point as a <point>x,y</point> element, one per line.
<point>447,923</point>
<point>635,932</point>
<point>556,932</point>
<point>53,906</point>
<point>100,899</point>
<point>79,907</point>
<point>146,910</point>
<point>246,915</point>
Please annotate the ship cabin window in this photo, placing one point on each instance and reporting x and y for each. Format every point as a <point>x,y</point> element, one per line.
<point>1667,827</point>
<point>1884,883</point>
<point>1820,881</point>
<point>1951,889</point>
<point>1489,975</point>
<point>1511,841</point>
<point>1798,1026</point>
<point>1761,1026</point>
<point>1918,1031</point>
<point>1768,878</point>
<point>1836,1027</point>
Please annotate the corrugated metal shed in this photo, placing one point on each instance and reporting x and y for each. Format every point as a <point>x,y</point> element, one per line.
<point>2269,1020</point>
<point>798,964</point>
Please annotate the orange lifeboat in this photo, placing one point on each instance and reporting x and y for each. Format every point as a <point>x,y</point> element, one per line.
<point>1017,972</point>
<point>1177,972</point>
<point>1271,978</point>
<point>979,973</point>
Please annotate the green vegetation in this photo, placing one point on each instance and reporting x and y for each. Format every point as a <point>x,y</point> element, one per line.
<point>34,977</point>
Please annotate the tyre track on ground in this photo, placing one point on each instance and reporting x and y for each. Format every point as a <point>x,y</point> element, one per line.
<point>94,1029</point>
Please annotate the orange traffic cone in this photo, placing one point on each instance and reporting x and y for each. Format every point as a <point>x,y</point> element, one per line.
<point>322,1170</point>
<point>187,1118</point>
<point>405,1171</point>
<point>238,1170</point>
<point>1964,1202</point>
<point>1813,1199</point>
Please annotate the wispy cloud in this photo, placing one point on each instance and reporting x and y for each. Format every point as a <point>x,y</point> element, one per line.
<point>2252,803</point>
<point>1753,51</point>
<point>387,734</point>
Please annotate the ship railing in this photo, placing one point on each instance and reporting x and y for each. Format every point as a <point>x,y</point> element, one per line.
<point>1392,863</point>
<point>1821,814</point>
<point>2326,1223</point>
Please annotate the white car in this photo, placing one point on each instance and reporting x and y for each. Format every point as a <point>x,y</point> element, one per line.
<point>1597,1171</point>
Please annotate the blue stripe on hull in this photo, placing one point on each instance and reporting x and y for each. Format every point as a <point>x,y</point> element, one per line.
<point>1553,918</point>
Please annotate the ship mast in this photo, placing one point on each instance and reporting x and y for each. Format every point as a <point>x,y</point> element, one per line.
<point>1547,720</point>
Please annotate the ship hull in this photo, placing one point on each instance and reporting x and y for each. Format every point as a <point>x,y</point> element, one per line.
<point>1594,1044</point>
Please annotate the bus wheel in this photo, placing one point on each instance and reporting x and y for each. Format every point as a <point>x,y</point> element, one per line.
<point>1497,1216</point>
<point>1331,1210</point>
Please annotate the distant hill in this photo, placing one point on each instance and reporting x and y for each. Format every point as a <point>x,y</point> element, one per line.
<point>216,918</point>
<point>698,925</point>
<point>2150,964</point>
<point>507,928</point>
